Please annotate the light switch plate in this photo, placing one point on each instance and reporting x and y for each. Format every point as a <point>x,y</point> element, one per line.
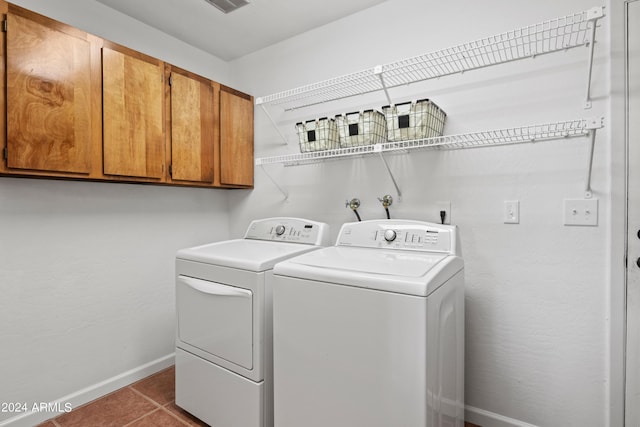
<point>581,212</point>
<point>511,212</point>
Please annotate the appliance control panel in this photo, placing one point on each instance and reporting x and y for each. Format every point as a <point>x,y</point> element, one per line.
<point>291,230</point>
<point>401,235</point>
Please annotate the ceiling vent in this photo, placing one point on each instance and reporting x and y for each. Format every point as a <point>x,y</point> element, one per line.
<point>227,6</point>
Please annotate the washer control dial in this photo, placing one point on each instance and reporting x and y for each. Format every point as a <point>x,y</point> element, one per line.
<point>280,230</point>
<point>389,235</point>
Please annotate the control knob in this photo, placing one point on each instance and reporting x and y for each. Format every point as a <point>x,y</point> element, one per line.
<point>280,230</point>
<point>389,235</point>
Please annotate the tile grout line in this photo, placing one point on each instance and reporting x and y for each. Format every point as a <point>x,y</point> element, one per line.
<point>174,415</point>
<point>159,409</point>
<point>141,417</point>
<point>159,406</point>
<point>145,396</point>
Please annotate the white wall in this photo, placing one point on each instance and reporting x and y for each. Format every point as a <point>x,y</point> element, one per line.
<point>87,269</point>
<point>538,292</point>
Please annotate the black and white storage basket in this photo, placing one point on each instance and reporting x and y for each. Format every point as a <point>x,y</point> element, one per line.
<point>319,134</point>
<point>414,120</point>
<point>361,128</point>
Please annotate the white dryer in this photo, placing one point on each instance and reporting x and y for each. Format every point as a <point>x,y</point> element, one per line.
<point>224,367</point>
<point>370,332</point>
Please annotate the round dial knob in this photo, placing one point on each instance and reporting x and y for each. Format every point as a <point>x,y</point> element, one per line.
<point>389,235</point>
<point>280,230</point>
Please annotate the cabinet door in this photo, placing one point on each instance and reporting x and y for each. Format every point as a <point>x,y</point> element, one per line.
<point>48,95</point>
<point>194,128</point>
<point>133,134</point>
<point>236,138</point>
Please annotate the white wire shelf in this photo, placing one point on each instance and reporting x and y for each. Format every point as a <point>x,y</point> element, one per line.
<point>554,35</point>
<point>507,136</point>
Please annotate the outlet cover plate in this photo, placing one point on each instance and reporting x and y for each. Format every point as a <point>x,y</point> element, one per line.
<point>581,212</point>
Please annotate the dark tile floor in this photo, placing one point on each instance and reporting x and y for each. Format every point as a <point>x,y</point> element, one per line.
<point>149,402</point>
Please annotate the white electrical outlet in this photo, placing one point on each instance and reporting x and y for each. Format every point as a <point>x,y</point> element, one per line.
<point>581,212</point>
<point>511,212</point>
<point>446,207</point>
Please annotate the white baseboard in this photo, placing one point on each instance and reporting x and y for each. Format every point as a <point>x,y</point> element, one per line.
<point>86,395</point>
<point>489,419</point>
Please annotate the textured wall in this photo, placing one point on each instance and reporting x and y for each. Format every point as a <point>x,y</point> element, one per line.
<point>87,269</point>
<point>536,292</point>
<point>87,277</point>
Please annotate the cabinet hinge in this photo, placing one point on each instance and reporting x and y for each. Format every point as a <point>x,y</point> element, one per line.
<point>4,26</point>
<point>170,79</point>
<point>171,171</point>
<point>5,153</point>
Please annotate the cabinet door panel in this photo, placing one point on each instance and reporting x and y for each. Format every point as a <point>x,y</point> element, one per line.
<point>133,115</point>
<point>236,138</point>
<point>48,98</point>
<point>193,129</point>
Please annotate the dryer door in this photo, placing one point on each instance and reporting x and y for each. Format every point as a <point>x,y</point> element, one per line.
<point>216,318</point>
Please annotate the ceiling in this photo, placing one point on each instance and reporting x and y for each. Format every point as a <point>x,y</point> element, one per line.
<point>245,30</point>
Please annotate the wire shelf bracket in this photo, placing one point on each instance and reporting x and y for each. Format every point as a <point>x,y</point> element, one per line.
<point>592,126</point>
<point>393,179</point>
<point>284,192</point>
<point>275,125</point>
<point>377,70</point>
<point>508,136</point>
<point>593,15</point>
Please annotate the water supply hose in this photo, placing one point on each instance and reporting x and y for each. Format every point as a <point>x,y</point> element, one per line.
<point>386,201</point>
<point>354,204</point>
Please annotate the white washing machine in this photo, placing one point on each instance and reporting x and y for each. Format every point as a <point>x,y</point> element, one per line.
<point>370,332</point>
<point>224,368</point>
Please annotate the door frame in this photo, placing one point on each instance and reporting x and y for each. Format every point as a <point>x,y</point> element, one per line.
<point>631,341</point>
<point>616,293</point>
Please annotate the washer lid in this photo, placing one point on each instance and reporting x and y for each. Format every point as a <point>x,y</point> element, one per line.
<point>406,272</point>
<point>244,254</point>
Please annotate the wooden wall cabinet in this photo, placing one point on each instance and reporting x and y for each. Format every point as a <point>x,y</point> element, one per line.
<point>194,127</point>
<point>236,138</point>
<point>51,117</point>
<point>211,132</point>
<point>133,113</point>
<point>79,107</point>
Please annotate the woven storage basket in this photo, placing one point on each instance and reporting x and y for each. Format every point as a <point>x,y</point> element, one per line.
<point>414,120</point>
<point>317,135</point>
<point>361,128</point>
